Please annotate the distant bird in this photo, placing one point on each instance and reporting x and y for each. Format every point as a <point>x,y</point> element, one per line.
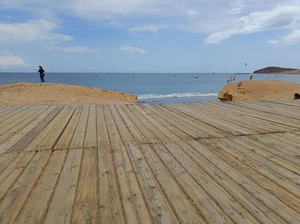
<point>245,64</point>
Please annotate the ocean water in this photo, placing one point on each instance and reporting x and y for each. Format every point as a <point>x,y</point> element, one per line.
<point>150,87</point>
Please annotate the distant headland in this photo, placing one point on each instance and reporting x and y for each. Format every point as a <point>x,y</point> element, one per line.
<point>279,70</point>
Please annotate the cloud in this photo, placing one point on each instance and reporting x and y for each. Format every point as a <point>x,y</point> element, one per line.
<point>146,28</point>
<point>291,38</point>
<point>284,17</point>
<point>192,13</point>
<point>32,30</point>
<point>132,49</point>
<point>150,28</point>
<point>72,49</point>
<point>7,60</point>
<point>237,6</point>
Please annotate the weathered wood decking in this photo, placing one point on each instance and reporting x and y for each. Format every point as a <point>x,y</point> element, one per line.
<point>235,162</point>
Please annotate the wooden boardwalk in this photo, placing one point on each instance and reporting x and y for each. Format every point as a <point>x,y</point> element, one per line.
<point>215,162</point>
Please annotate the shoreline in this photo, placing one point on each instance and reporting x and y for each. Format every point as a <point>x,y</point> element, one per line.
<point>37,94</point>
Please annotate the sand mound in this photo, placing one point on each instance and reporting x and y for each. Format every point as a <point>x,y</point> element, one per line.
<point>258,90</point>
<point>19,94</point>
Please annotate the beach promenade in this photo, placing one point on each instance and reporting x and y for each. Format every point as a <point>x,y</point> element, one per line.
<point>213,162</point>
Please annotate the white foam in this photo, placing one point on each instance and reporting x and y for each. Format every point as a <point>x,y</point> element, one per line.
<point>175,95</point>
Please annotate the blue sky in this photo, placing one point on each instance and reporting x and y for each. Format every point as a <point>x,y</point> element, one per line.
<point>148,35</point>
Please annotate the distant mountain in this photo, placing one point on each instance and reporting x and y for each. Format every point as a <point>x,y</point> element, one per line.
<point>278,70</point>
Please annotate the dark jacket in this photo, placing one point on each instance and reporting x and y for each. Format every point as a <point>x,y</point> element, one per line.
<point>41,71</point>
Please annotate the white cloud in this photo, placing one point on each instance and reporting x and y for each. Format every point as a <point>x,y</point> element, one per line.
<point>33,30</point>
<point>237,6</point>
<point>132,49</point>
<point>291,38</point>
<point>279,18</point>
<point>7,60</point>
<point>72,49</point>
<point>146,28</point>
<point>150,28</point>
<point>192,13</point>
<point>220,19</point>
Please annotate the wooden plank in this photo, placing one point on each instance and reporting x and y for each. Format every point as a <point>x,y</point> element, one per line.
<point>161,131</point>
<point>5,110</point>
<point>215,122</point>
<point>285,167</point>
<point>11,205</point>
<point>12,172</point>
<point>268,145</point>
<point>11,112</point>
<point>65,138</point>
<point>85,202</point>
<point>19,118</point>
<point>123,132</point>
<point>29,133</point>
<point>47,137</point>
<point>185,126</point>
<point>21,139</point>
<point>134,130</point>
<point>55,128</point>
<point>165,126</point>
<point>37,202</point>
<point>143,127</point>
<point>19,124</point>
<point>259,124</point>
<point>110,206</point>
<point>286,190</point>
<point>132,200</point>
<point>289,139</point>
<point>60,207</point>
<point>90,140</point>
<point>260,117</point>
<point>195,127</point>
<point>199,186</point>
<point>159,207</point>
<point>290,148</point>
<point>128,139</point>
<point>183,206</point>
<point>5,160</point>
<point>79,134</point>
<point>221,173</point>
<point>249,182</point>
<point>271,109</point>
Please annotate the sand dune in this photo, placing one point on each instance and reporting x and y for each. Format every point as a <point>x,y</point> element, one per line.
<point>18,94</point>
<point>258,90</point>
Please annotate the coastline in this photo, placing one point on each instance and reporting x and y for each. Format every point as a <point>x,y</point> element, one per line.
<point>36,94</point>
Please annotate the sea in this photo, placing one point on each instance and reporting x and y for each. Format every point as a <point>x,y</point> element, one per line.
<point>152,88</point>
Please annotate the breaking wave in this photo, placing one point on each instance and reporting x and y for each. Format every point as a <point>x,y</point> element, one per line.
<point>175,95</point>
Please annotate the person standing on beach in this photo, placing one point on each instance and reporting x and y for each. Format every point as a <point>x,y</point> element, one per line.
<point>42,73</point>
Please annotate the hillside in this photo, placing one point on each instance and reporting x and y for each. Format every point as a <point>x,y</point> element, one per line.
<point>279,70</point>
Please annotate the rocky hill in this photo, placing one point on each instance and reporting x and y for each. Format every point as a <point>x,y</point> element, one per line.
<point>279,70</point>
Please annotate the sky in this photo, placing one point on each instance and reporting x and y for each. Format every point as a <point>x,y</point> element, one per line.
<point>149,36</point>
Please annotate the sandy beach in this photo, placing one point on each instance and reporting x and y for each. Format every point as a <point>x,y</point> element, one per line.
<point>259,90</point>
<point>33,94</point>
